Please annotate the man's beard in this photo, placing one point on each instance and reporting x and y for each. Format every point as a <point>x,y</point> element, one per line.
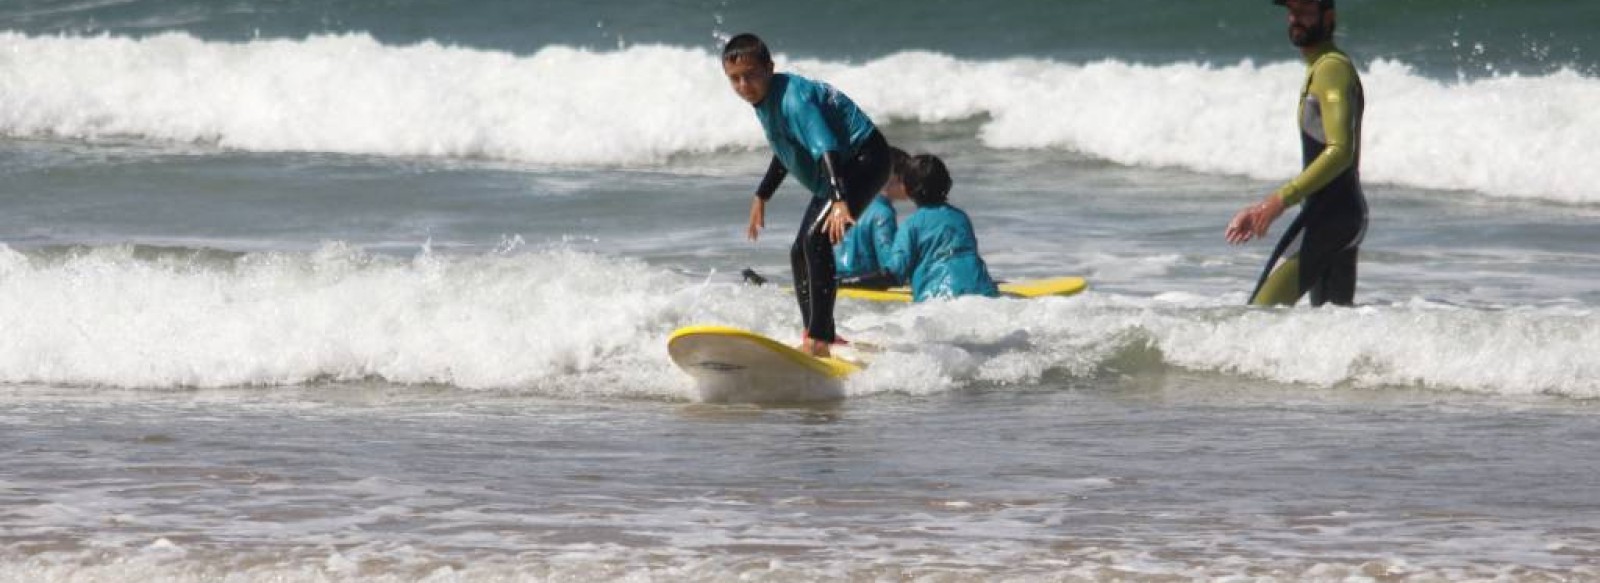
<point>1306,36</point>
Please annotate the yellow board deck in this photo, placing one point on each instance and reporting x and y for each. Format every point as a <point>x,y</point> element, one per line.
<point>1032,288</point>
<point>731,365</point>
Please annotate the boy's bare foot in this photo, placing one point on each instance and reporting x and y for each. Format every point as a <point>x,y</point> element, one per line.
<point>815,348</point>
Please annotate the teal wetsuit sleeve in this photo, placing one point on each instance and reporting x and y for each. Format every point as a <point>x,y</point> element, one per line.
<point>1333,82</point>
<point>883,235</point>
<point>901,260</point>
<point>809,124</point>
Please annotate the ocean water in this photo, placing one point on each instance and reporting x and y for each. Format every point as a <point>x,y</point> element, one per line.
<point>344,290</point>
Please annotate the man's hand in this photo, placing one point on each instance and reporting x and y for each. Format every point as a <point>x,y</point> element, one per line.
<point>1254,220</point>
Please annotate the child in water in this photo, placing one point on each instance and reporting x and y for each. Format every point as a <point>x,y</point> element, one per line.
<point>867,245</point>
<point>935,250</point>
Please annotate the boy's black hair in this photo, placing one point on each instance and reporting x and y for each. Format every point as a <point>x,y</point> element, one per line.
<point>746,45</point>
<point>926,179</point>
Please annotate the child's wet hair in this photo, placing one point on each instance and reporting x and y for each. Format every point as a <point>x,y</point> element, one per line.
<point>745,46</point>
<point>926,179</point>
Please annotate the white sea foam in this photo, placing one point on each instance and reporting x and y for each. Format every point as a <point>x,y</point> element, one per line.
<point>352,94</point>
<point>1525,351</point>
<point>548,320</point>
<point>587,326</point>
<point>1510,136</point>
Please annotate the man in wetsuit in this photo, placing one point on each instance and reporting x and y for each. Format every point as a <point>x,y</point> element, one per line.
<point>834,150</point>
<point>1333,220</point>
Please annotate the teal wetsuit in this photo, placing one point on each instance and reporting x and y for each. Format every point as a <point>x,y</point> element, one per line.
<point>808,123</point>
<point>866,245</point>
<point>936,251</point>
<point>804,120</point>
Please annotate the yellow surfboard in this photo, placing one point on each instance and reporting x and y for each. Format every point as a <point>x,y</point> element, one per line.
<point>1032,288</point>
<point>730,365</point>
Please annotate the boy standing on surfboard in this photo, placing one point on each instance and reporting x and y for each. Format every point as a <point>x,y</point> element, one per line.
<point>936,249</point>
<point>834,150</point>
<point>867,245</point>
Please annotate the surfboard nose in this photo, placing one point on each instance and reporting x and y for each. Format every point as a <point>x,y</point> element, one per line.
<point>730,365</point>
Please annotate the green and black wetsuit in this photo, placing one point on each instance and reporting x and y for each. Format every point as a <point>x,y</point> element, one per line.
<point>1333,220</point>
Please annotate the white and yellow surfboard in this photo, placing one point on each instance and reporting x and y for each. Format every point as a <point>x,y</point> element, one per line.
<point>730,365</point>
<point>1032,288</point>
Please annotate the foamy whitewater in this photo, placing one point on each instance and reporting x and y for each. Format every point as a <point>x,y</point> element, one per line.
<point>1512,136</point>
<point>556,323</point>
<point>349,291</point>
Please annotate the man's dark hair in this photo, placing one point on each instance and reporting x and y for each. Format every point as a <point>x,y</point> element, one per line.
<point>927,181</point>
<point>746,46</point>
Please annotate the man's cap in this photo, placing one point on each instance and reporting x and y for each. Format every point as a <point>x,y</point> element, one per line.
<point>1326,4</point>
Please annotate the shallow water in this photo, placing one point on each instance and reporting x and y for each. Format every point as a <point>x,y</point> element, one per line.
<point>1141,476</point>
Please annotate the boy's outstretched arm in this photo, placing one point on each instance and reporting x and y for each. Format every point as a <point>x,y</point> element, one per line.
<point>758,207</point>
<point>774,177</point>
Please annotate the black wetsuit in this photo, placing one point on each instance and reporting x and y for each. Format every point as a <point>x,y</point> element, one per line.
<point>861,176</point>
<point>835,151</point>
